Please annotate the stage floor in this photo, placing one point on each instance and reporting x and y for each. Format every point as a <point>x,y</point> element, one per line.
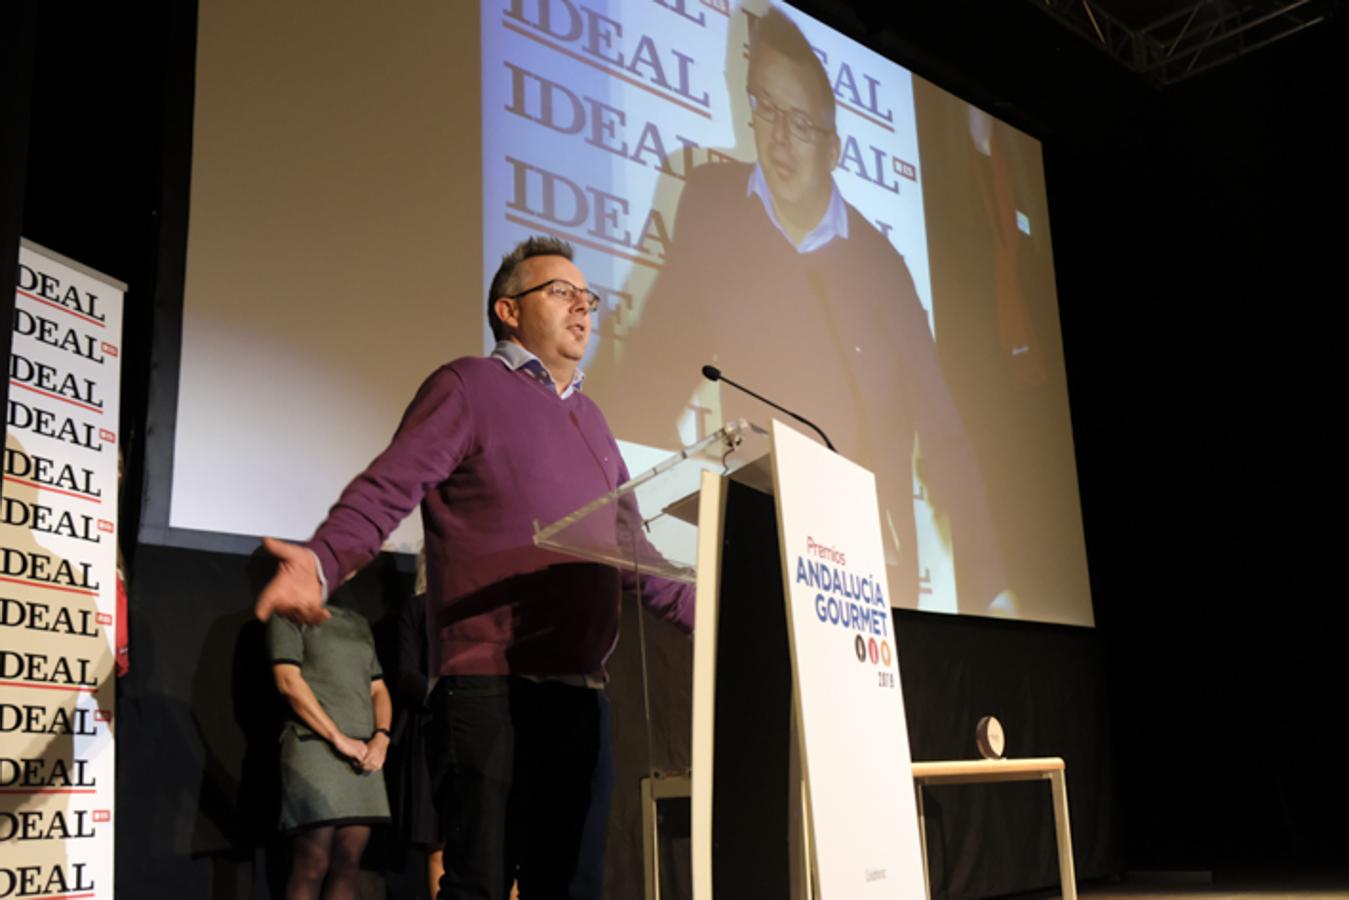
<point>1265,886</point>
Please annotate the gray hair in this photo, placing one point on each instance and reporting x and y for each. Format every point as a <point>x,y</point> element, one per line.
<point>504,282</point>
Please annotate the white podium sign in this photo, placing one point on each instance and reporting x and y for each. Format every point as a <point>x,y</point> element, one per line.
<point>854,741</point>
<point>58,582</point>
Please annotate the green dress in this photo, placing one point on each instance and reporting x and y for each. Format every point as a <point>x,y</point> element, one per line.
<point>338,662</point>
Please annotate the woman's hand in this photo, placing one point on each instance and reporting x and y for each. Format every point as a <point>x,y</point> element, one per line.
<point>375,750</point>
<point>355,751</point>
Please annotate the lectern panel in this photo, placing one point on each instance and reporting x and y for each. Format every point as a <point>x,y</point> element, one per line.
<point>751,780</point>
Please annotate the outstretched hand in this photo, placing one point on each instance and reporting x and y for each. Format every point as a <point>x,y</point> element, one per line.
<point>294,591</point>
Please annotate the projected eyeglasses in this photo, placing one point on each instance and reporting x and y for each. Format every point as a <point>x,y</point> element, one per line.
<point>557,289</point>
<point>799,124</point>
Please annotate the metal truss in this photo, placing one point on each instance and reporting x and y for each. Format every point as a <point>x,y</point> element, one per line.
<point>1195,38</point>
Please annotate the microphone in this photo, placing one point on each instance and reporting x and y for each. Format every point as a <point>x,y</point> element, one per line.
<point>712,373</point>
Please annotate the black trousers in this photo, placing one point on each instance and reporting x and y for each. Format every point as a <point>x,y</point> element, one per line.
<point>522,773</point>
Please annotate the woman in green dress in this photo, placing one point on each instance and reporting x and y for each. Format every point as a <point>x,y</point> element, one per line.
<point>332,749</point>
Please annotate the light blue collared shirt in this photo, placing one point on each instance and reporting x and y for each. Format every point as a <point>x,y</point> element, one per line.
<point>516,357</point>
<point>833,224</point>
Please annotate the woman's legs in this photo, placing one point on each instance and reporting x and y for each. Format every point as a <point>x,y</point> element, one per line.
<point>308,863</point>
<point>348,845</point>
<point>324,862</point>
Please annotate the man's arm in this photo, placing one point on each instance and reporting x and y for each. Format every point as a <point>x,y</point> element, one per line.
<point>672,601</point>
<point>433,437</point>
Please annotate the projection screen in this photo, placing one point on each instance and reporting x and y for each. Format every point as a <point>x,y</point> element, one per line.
<point>358,172</point>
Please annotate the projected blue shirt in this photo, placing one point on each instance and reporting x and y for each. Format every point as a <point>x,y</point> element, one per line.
<point>833,224</point>
<point>516,357</point>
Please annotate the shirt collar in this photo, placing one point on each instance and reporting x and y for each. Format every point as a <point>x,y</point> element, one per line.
<point>833,224</point>
<point>515,357</point>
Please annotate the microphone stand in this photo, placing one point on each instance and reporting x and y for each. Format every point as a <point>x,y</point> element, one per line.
<point>712,373</point>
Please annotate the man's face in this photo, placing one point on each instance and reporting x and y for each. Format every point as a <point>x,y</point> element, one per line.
<point>797,171</point>
<point>553,330</point>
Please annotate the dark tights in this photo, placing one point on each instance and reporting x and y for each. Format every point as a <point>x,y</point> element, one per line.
<point>326,860</point>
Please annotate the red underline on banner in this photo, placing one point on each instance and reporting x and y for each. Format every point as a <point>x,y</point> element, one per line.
<point>29,387</point>
<point>27,791</point>
<point>62,896</point>
<point>608,70</point>
<point>42,487</point>
<point>585,242</point>
<point>70,688</point>
<point>49,587</point>
<point>54,305</point>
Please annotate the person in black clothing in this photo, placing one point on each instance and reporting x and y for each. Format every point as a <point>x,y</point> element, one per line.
<point>413,795</point>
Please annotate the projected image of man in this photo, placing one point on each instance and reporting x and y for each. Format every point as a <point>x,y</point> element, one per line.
<point>774,277</point>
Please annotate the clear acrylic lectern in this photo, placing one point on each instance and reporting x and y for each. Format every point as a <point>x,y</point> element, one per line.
<point>657,511</point>
<point>649,527</point>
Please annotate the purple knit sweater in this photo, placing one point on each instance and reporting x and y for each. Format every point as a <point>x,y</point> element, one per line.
<point>487,451</point>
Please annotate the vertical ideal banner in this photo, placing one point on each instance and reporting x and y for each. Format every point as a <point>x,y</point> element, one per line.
<point>58,581</point>
<point>855,744</point>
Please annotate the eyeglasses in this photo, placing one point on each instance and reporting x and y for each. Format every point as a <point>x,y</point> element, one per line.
<point>798,123</point>
<point>557,289</point>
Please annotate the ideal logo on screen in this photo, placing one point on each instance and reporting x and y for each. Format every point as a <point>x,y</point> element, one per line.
<point>874,165</point>
<point>600,41</point>
<point>552,104</point>
<point>563,203</point>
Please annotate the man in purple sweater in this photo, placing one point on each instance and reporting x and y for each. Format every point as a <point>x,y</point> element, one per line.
<point>519,636</point>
